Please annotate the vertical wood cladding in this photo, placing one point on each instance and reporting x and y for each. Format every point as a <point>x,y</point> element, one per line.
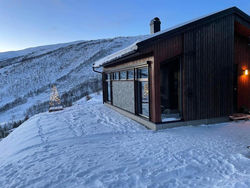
<point>162,51</point>
<point>208,70</point>
<point>207,51</point>
<point>242,58</point>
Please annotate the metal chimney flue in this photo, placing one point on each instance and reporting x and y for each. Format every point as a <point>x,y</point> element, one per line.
<point>155,25</point>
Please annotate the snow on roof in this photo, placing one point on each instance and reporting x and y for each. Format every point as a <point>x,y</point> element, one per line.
<point>133,48</point>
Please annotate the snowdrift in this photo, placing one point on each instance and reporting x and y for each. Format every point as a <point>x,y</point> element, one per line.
<point>89,145</point>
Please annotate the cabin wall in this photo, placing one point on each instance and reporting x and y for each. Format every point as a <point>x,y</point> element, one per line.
<point>208,70</point>
<point>162,50</point>
<point>242,58</point>
<point>124,91</point>
<point>207,54</point>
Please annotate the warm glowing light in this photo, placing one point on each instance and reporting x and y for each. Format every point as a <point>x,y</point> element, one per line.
<point>246,72</point>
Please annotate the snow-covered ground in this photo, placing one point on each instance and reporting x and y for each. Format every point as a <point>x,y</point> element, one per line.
<point>90,145</point>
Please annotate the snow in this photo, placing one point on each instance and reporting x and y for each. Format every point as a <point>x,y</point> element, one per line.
<point>33,51</point>
<point>55,108</point>
<point>90,145</point>
<point>130,49</point>
<point>170,119</point>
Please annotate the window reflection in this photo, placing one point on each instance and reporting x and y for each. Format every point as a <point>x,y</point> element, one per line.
<point>130,74</point>
<point>142,73</point>
<point>123,75</point>
<point>143,91</point>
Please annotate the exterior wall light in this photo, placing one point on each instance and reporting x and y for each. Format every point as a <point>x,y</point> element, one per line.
<point>246,72</point>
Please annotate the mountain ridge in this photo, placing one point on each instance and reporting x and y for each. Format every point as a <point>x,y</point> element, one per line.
<point>26,80</point>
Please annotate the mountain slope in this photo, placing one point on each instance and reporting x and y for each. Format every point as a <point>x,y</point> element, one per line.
<point>90,145</point>
<point>34,51</point>
<point>25,80</point>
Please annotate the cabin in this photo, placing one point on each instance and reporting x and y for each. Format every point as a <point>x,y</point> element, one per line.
<point>195,73</point>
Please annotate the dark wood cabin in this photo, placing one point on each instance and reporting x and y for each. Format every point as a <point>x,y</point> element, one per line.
<point>192,74</point>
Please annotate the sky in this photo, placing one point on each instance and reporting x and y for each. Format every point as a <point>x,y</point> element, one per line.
<point>30,23</point>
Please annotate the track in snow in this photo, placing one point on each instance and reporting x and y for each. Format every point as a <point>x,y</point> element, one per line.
<point>90,145</point>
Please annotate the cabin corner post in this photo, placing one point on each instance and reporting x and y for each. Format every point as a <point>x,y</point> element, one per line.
<point>155,108</point>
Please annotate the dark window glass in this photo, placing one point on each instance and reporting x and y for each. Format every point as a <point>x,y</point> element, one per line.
<point>130,74</point>
<point>116,75</point>
<point>170,91</point>
<point>142,72</point>
<point>109,91</point>
<point>108,76</point>
<point>143,98</point>
<point>123,75</point>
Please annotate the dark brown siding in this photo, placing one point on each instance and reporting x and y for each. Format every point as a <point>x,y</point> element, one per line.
<point>162,50</point>
<point>208,70</point>
<point>207,51</point>
<point>242,58</point>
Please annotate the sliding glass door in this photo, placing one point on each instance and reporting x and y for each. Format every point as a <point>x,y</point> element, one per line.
<point>170,91</point>
<point>142,91</point>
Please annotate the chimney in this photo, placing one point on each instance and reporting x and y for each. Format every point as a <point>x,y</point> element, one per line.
<point>155,25</point>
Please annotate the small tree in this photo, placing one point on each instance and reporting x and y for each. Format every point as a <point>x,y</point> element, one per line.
<point>26,117</point>
<point>54,97</point>
<point>88,97</point>
<point>55,102</point>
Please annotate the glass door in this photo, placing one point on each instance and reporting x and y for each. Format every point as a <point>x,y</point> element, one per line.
<point>170,91</point>
<point>142,92</point>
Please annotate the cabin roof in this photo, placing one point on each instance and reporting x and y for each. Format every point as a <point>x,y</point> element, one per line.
<point>133,48</point>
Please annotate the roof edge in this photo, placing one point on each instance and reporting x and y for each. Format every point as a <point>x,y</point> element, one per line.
<point>117,55</point>
<point>132,49</point>
<point>222,13</point>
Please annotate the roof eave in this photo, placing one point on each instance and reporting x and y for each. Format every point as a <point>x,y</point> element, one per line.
<point>121,59</point>
<point>118,58</point>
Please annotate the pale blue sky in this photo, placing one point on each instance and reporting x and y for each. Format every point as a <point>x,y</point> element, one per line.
<point>28,23</point>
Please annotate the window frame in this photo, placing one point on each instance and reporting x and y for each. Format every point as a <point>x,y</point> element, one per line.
<point>139,81</point>
<point>108,81</point>
<point>120,73</point>
<point>116,75</point>
<point>140,78</point>
<point>133,76</point>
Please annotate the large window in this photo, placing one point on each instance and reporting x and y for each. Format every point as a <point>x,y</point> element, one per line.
<point>142,92</point>
<point>128,89</point>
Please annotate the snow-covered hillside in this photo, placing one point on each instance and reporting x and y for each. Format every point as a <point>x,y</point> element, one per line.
<point>33,51</point>
<point>27,76</point>
<point>90,145</point>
